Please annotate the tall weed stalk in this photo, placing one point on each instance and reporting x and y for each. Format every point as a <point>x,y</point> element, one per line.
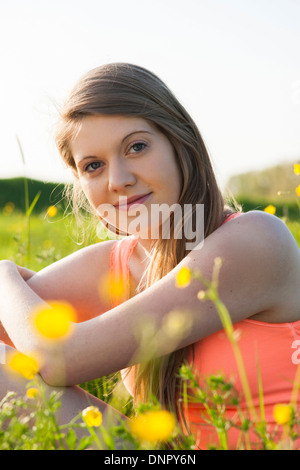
<point>28,207</point>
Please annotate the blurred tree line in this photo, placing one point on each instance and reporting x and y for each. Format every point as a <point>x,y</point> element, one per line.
<point>12,191</point>
<point>252,190</point>
<point>272,183</point>
<point>276,185</point>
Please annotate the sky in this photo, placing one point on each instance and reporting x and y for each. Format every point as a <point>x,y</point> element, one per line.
<point>234,65</point>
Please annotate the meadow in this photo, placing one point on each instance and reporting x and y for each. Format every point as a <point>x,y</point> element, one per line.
<point>52,238</point>
<point>38,239</point>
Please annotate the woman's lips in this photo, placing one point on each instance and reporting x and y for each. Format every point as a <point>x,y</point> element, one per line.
<point>126,207</point>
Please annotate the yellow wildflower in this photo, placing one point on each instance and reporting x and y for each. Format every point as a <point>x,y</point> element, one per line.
<point>32,392</point>
<point>183,277</point>
<point>282,413</point>
<point>177,324</point>
<point>153,426</point>
<point>298,190</point>
<point>9,208</point>
<point>92,416</point>
<point>25,365</point>
<point>112,289</point>
<point>51,211</point>
<point>47,244</point>
<point>270,209</point>
<point>297,169</point>
<point>55,320</point>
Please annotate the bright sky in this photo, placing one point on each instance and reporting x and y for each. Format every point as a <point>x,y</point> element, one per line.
<point>234,64</point>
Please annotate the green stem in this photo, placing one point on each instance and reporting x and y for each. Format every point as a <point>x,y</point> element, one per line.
<point>212,294</point>
<point>26,191</point>
<point>227,324</point>
<point>95,437</point>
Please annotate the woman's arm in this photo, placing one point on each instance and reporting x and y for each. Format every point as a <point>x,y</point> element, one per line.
<point>260,273</point>
<point>76,279</point>
<point>16,304</point>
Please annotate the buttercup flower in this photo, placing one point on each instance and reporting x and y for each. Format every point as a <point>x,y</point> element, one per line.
<point>55,320</point>
<point>32,392</point>
<point>298,190</point>
<point>51,211</point>
<point>153,426</point>
<point>177,324</point>
<point>47,244</point>
<point>92,416</point>
<point>270,209</point>
<point>297,169</point>
<point>22,364</point>
<point>112,288</point>
<point>183,277</point>
<point>282,413</point>
<point>9,208</point>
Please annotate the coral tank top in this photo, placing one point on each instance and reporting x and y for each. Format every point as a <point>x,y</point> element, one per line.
<point>269,345</point>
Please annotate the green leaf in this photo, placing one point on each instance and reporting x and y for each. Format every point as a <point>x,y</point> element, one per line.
<point>71,439</point>
<point>85,442</point>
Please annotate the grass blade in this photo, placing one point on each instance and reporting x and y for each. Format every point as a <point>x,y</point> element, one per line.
<point>33,204</point>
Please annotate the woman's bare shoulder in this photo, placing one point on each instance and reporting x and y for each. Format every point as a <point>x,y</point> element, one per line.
<point>260,236</point>
<point>260,252</point>
<point>260,224</point>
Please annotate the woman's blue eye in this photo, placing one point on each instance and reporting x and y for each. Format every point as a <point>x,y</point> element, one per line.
<point>138,146</point>
<point>93,166</point>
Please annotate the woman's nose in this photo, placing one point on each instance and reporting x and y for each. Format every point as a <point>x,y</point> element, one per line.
<point>120,176</point>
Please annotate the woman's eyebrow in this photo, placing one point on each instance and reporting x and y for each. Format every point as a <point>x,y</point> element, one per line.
<point>136,132</point>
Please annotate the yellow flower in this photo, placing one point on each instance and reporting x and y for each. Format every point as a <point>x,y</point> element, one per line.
<point>92,416</point>
<point>32,392</point>
<point>47,244</point>
<point>282,413</point>
<point>298,190</point>
<point>183,277</point>
<point>112,288</point>
<point>9,208</point>
<point>297,169</point>
<point>22,364</point>
<point>270,209</point>
<point>51,211</point>
<point>177,324</point>
<point>153,426</point>
<point>55,320</point>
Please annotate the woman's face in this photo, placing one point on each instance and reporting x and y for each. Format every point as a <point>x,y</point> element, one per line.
<point>119,158</point>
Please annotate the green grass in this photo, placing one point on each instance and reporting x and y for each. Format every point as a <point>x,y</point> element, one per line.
<point>50,238</point>
<point>55,238</point>
<point>295,230</point>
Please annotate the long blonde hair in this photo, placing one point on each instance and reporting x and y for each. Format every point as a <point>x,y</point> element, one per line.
<point>131,90</point>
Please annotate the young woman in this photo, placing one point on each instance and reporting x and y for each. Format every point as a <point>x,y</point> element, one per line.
<point>127,138</point>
